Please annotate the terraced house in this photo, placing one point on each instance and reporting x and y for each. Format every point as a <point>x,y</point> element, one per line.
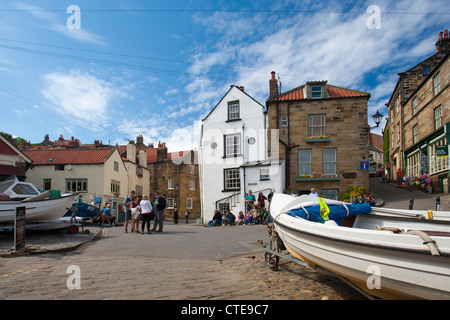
<point>419,118</point>
<point>323,136</point>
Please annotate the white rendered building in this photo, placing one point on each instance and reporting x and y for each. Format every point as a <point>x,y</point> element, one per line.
<point>233,155</point>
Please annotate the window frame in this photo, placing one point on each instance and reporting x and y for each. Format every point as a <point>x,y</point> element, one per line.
<point>415,133</point>
<point>189,203</point>
<point>438,108</point>
<point>236,115</point>
<point>226,145</point>
<point>327,162</point>
<point>314,92</point>
<point>83,181</point>
<point>414,105</point>
<point>323,126</point>
<point>437,84</point>
<point>237,181</point>
<point>264,176</point>
<point>310,162</point>
<point>170,203</point>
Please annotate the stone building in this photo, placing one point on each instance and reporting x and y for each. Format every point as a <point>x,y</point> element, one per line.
<point>412,106</point>
<point>323,135</point>
<point>175,175</point>
<point>421,123</point>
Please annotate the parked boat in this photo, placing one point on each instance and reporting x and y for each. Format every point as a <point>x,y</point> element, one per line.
<point>83,210</point>
<point>388,254</point>
<point>45,206</point>
<point>18,190</point>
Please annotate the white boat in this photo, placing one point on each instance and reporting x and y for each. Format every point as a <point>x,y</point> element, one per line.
<point>40,207</point>
<point>49,209</point>
<point>18,190</point>
<point>388,255</point>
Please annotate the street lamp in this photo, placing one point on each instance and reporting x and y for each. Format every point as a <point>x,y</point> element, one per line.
<point>377,118</point>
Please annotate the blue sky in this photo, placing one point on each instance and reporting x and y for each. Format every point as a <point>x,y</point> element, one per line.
<point>156,68</point>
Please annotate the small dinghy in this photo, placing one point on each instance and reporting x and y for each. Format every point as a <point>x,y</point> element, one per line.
<point>386,254</point>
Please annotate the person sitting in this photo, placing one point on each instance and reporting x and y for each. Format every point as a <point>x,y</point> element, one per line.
<point>371,201</point>
<point>229,218</point>
<point>241,218</point>
<point>249,218</point>
<point>255,214</point>
<point>264,215</point>
<point>216,220</point>
<point>106,215</point>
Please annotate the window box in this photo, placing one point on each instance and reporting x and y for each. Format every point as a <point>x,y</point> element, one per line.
<point>317,139</point>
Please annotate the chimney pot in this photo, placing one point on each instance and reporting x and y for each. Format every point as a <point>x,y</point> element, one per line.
<point>445,33</point>
<point>440,35</point>
<point>273,75</point>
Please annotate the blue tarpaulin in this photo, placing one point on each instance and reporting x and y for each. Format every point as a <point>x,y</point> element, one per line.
<point>337,212</point>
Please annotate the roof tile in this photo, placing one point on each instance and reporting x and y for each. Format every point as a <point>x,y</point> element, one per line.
<point>68,156</point>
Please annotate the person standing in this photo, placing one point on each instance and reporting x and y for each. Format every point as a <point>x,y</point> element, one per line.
<point>314,192</point>
<point>175,216</point>
<point>160,205</point>
<point>186,215</point>
<point>127,206</point>
<point>146,208</point>
<point>135,213</point>
<point>249,200</point>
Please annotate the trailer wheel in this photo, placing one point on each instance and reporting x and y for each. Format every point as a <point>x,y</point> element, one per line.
<point>273,260</point>
<point>72,229</point>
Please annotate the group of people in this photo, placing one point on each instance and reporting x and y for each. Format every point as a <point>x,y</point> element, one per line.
<point>365,198</point>
<point>139,209</point>
<point>255,208</point>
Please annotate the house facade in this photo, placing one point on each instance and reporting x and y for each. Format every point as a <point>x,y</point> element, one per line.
<point>90,172</point>
<point>233,154</point>
<point>13,162</point>
<point>419,118</point>
<point>323,136</point>
<point>175,175</point>
<point>376,156</point>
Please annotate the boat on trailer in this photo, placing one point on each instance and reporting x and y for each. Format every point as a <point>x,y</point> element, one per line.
<point>46,206</point>
<point>389,254</point>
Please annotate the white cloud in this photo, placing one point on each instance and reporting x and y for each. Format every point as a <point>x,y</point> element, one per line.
<point>81,96</point>
<point>82,34</point>
<point>53,22</point>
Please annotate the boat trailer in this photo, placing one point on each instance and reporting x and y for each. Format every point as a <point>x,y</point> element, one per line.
<point>274,252</point>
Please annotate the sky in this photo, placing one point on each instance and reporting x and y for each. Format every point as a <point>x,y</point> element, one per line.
<point>112,70</point>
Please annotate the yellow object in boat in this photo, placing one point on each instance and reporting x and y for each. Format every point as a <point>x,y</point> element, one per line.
<point>324,210</point>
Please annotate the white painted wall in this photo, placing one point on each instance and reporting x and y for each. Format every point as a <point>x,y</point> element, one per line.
<point>212,160</point>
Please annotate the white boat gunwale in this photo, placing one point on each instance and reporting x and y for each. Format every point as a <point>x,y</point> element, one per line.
<point>424,250</point>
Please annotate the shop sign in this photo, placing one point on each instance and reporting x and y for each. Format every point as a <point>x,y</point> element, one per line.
<point>442,151</point>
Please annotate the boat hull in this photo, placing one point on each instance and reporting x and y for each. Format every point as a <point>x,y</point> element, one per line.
<point>37,211</point>
<point>383,264</point>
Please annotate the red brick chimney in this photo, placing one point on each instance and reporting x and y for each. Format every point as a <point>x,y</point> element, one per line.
<point>273,87</point>
<point>443,43</point>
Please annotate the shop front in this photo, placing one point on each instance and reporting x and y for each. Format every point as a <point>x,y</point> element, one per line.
<point>428,161</point>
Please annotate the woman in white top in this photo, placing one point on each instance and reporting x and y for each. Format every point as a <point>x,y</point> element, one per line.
<point>146,208</point>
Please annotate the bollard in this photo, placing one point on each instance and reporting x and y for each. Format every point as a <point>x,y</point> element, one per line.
<point>411,203</point>
<point>438,203</point>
